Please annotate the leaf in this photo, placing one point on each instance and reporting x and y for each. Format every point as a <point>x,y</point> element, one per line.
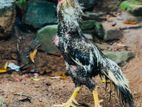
<point>33,55</point>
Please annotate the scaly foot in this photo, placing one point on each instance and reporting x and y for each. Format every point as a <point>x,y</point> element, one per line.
<point>96,99</point>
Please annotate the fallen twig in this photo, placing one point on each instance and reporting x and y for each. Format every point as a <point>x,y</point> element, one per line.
<point>131,27</point>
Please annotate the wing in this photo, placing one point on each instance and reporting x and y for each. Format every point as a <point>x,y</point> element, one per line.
<point>81,54</point>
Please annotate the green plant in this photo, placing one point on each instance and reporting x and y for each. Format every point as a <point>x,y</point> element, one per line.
<point>21,3</point>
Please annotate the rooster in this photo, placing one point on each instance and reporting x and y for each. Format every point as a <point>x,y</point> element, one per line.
<point>83,59</point>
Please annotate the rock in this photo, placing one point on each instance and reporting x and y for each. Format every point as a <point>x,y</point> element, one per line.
<point>111,33</point>
<point>40,13</point>
<point>132,6</point>
<point>120,57</point>
<point>45,36</point>
<point>88,4</point>
<point>7,17</point>
<point>104,31</point>
<point>93,27</point>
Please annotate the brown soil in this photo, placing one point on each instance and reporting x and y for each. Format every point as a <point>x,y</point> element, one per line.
<point>18,90</point>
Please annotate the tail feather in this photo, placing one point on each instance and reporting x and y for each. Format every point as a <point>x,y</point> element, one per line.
<point>125,94</point>
<point>113,72</point>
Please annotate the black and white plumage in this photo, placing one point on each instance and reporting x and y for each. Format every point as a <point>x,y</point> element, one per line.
<point>83,58</point>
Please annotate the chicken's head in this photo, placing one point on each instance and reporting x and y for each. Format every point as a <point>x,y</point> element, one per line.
<point>67,3</point>
<point>69,11</point>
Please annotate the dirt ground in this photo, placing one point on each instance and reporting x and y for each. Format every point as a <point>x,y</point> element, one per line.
<point>49,88</point>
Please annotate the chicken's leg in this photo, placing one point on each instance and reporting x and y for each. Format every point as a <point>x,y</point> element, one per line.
<point>96,98</point>
<point>72,101</point>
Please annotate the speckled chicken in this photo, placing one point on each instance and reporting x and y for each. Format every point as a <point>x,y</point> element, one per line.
<point>83,58</point>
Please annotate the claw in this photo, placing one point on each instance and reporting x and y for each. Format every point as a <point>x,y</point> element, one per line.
<point>33,55</point>
<point>75,102</point>
<point>69,103</point>
<point>105,81</point>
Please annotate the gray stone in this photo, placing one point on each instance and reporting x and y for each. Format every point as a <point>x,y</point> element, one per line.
<point>104,31</point>
<point>92,27</point>
<point>40,13</point>
<point>120,57</point>
<point>7,17</point>
<point>111,33</point>
<point>45,36</point>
